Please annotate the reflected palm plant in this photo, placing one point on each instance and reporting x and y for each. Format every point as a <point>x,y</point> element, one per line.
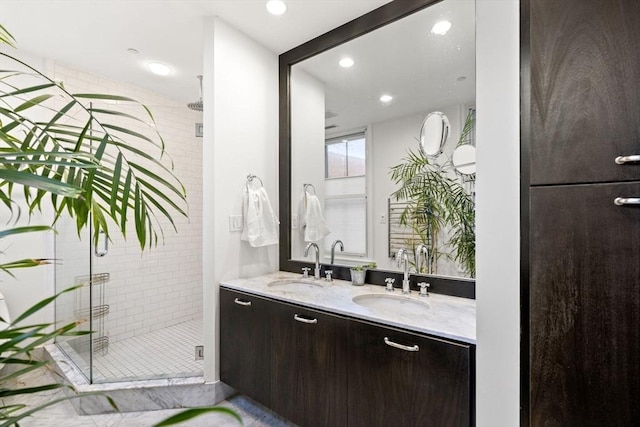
<point>436,203</point>
<point>101,165</point>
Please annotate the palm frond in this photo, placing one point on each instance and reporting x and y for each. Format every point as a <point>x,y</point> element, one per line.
<point>92,161</point>
<point>6,37</point>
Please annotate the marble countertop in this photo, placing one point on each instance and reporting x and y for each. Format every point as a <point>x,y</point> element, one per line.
<point>445,316</point>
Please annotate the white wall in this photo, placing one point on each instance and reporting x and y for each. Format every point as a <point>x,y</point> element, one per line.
<point>240,137</point>
<point>497,220</point>
<point>307,149</point>
<point>32,284</point>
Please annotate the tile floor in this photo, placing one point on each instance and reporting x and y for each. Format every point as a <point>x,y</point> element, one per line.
<point>166,352</point>
<point>63,415</point>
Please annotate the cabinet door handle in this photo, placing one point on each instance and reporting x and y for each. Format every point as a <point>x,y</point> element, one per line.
<point>622,201</point>
<point>303,320</point>
<point>387,341</point>
<point>621,160</point>
<point>240,302</point>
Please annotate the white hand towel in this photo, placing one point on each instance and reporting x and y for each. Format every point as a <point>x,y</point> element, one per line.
<point>310,218</point>
<point>260,222</point>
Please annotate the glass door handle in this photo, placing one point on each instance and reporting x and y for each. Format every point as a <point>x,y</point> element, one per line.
<point>105,247</point>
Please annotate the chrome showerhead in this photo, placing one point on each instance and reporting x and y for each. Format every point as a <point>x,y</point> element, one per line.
<point>198,105</point>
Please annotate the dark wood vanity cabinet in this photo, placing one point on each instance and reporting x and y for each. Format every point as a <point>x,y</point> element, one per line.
<point>245,357</point>
<point>320,369</point>
<point>309,369</point>
<point>289,358</point>
<point>398,378</point>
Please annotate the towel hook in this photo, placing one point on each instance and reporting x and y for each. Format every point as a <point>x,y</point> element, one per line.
<point>305,186</point>
<point>250,179</point>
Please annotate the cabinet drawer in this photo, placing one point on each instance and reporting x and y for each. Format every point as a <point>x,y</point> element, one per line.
<point>400,378</point>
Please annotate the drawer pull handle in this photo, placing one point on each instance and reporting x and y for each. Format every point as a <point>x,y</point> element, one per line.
<point>621,160</point>
<point>387,341</point>
<point>622,201</point>
<point>244,303</point>
<point>303,320</point>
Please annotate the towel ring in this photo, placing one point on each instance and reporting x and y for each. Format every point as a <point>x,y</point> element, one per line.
<point>250,179</point>
<point>305,186</point>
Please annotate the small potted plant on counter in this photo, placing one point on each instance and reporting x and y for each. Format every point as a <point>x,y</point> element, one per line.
<point>359,272</point>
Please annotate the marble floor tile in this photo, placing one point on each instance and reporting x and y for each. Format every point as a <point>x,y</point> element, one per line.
<point>63,413</point>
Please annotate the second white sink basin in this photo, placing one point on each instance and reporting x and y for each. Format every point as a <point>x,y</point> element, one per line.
<point>296,285</point>
<point>392,303</point>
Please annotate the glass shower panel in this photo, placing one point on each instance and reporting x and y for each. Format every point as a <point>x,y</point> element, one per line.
<point>73,268</point>
<point>144,308</point>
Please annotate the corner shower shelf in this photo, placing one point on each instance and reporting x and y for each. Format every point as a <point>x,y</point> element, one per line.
<point>97,310</point>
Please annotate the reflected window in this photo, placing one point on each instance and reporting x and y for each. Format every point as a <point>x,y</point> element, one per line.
<point>346,194</point>
<point>345,156</point>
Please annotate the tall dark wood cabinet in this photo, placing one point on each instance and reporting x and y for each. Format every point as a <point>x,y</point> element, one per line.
<point>581,111</point>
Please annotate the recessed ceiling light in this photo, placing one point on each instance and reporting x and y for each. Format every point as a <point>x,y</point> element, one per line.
<point>276,7</point>
<point>441,28</point>
<point>346,62</point>
<point>159,68</point>
<point>386,98</point>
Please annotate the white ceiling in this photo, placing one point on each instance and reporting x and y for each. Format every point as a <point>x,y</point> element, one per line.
<point>94,35</point>
<point>422,71</point>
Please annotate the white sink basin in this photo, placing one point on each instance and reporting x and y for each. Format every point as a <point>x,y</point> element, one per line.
<point>392,303</point>
<point>296,285</point>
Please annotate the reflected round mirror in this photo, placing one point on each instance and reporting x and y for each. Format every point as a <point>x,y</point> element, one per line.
<point>434,133</point>
<point>464,159</point>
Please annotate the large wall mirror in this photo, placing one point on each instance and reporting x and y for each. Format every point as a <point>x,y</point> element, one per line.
<point>358,105</point>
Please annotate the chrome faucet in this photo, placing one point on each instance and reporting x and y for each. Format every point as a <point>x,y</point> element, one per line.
<point>333,249</point>
<point>316,272</point>
<point>419,250</point>
<point>403,257</point>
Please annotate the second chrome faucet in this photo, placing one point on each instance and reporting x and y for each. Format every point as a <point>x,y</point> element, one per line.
<point>316,271</point>
<point>403,257</point>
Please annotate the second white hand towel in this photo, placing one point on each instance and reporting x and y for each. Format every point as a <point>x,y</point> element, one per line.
<point>311,220</point>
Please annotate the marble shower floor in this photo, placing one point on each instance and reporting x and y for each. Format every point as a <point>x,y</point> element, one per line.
<point>63,414</point>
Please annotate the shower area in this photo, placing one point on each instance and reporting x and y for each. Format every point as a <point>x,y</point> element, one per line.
<point>142,310</point>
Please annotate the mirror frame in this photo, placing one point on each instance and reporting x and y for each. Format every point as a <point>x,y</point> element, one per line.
<point>373,20</point>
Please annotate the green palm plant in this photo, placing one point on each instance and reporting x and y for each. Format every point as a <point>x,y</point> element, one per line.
<point>88,159</point>
<point>435,201</point>
<point>90,163</point>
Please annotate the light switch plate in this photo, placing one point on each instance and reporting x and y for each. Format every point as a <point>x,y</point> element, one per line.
<point>235,222</point>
